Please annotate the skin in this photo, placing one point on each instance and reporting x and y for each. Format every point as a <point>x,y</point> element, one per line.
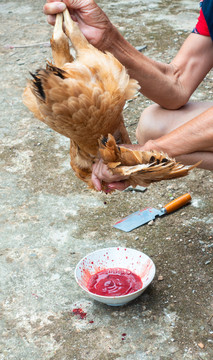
<point>173,125</point>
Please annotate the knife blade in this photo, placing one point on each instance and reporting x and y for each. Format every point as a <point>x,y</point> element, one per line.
<point>144,216</point>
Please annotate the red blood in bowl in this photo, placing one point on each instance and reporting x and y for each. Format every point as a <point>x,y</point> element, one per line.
<point>114,282</point>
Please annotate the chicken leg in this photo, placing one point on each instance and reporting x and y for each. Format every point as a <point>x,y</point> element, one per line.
<point>60,44</point>
<point>75,35</point>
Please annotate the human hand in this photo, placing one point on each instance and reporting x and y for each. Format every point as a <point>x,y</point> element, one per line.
<point>100,173</point>
<point>152,145</point>
<point>92,21</point>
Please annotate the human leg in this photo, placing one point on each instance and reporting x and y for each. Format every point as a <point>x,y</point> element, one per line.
<point>156,121</point>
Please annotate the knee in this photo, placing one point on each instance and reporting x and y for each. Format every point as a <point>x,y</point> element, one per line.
<point>148,126</point>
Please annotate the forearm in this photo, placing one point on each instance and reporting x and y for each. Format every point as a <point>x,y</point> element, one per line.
<point>194,136</point>
<point>158,81</point>
<point>169,85</point>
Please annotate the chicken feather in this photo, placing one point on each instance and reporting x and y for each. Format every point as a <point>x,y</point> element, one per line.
<point>83,99</point>
<point>142,167</point>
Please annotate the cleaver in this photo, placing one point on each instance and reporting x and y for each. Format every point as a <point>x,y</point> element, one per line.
<point>144,216</point>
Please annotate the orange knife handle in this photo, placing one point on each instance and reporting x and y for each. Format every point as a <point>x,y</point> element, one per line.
<point>177,203</point>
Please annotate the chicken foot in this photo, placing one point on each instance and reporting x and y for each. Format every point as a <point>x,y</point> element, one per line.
<point>60,44</point>
<point>73,32</point>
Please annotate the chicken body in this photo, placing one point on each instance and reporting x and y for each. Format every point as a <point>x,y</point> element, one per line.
<point>83,99</point>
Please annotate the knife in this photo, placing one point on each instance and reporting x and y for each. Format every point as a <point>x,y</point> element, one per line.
<point>144,216</point>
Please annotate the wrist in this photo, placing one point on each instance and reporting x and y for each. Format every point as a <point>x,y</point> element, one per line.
<point>152,145</point>
<point>117,45</point>
<point>109,39</point>
<point>158,145</point>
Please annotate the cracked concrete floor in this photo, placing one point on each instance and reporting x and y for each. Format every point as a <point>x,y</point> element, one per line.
<point>49,220</point>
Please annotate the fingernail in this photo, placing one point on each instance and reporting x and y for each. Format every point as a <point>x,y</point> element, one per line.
<point>98,188</point>
<point>111,186</point>
<point>61,6</point>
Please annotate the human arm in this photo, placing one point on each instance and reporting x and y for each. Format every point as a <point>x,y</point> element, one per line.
<point>169,85</point>
<point>188,144</point>
<point>194,136</point>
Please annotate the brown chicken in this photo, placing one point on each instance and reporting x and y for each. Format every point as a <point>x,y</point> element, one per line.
<point>83,99</point>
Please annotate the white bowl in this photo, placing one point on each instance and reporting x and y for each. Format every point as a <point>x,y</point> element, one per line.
<point>115,257</point>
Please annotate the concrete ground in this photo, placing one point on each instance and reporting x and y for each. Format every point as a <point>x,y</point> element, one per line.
<point>50,220</point>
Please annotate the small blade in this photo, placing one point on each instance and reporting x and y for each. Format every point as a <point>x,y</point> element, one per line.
<point>138,218</point>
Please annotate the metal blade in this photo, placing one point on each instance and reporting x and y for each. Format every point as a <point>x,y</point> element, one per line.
<point>138,218</point>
